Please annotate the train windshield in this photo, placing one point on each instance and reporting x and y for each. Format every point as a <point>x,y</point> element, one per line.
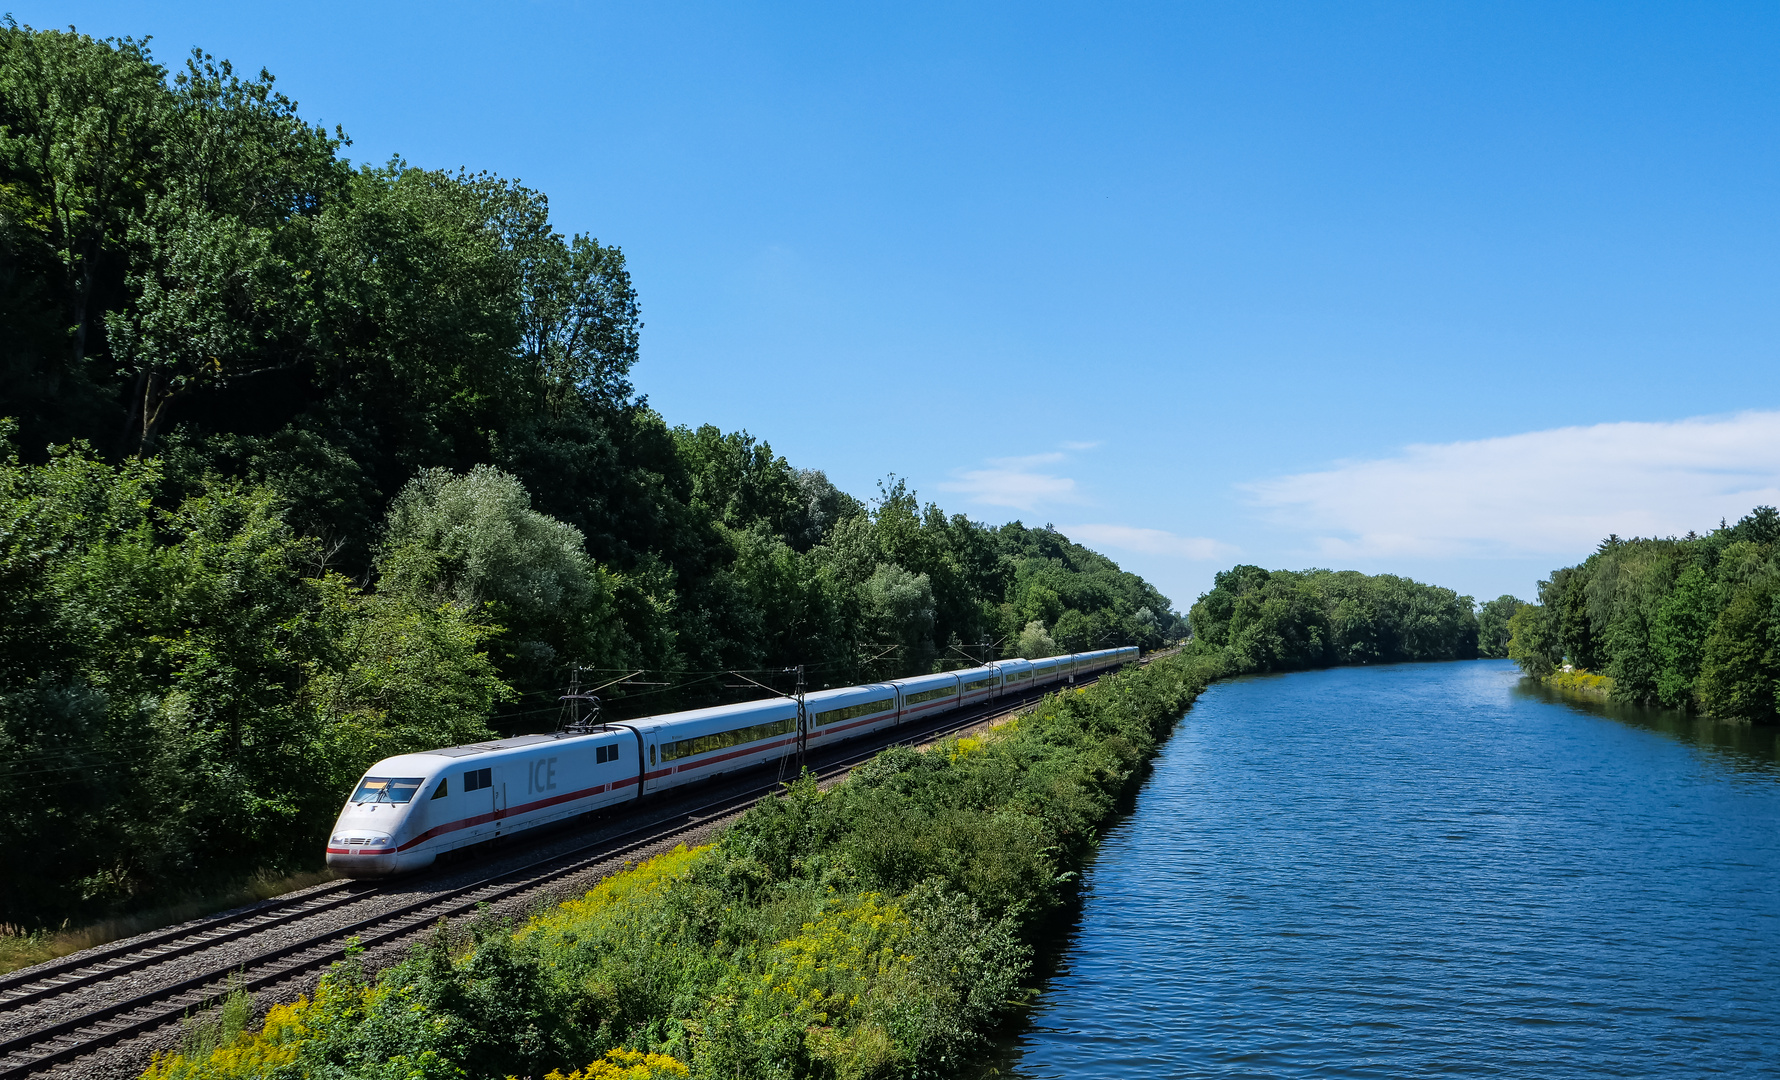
<point>391,789</point>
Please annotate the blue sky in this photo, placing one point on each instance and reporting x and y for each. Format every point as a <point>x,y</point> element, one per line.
<point>1448,290</point>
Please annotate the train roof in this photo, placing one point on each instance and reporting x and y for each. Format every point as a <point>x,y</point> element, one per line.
<point>419,760</point>
<point>426,760</point>
<point>712,712</point>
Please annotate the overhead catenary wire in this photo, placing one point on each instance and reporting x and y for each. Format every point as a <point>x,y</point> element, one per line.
<point>104,760</point>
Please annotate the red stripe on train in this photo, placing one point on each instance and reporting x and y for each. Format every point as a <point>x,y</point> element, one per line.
<point>502,815</point>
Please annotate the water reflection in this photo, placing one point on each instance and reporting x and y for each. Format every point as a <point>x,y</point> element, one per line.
<point>1751,749</point>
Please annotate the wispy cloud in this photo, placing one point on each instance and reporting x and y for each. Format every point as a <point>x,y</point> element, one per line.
<point>1147,541</point>
<point>1079,445</point>
<point>1016,482</point>
<point>1555,492</point>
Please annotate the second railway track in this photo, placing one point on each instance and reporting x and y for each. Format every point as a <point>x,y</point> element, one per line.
<point>71,1008</point>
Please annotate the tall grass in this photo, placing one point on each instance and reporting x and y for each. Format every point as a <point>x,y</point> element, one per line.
<point>222,1024</point>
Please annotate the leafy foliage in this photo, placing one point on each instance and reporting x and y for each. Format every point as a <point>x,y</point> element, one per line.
<point>1493,631</point>
<point>1283,620</point>
<point>180,696</point>
<point>1688,623</point>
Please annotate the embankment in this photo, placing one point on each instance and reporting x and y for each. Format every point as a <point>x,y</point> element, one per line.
<point>1580,684</point>
<point>882,927</point>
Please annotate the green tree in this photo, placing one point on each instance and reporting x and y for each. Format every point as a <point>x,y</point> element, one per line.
<point>82,122</point>
<point>1534,640</point>
<point>1651,612</point>
<point>1034,643</point>
<point>898,611</point>
<point>740,483</point>
<point>1679,633</point>
<point>1741,660</point>
<point>1492,626</point>
<point>1282,620</point>
<point>181,703</point>
<point>475,542</point>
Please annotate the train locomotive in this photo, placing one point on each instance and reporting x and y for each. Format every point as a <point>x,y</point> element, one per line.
<point>410,809</point>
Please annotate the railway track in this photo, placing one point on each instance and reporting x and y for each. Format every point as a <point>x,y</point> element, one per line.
<point>58,1013</point>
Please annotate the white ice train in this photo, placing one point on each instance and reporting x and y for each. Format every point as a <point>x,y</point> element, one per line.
<point>410,809</point>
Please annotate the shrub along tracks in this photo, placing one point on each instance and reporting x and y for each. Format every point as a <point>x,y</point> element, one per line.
<point>66,1010</point>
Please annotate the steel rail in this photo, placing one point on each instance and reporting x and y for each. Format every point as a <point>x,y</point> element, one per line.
<point>414,917</point>
<point>136,958</point>
<point>87,958</point>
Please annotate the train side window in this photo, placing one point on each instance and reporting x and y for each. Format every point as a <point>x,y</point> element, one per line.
<point>477,779</point>
<point>651,755</point>
<point>603,754</point>
<point>440,792</point>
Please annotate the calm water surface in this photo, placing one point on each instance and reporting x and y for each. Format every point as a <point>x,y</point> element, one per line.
<point>1429,870</point>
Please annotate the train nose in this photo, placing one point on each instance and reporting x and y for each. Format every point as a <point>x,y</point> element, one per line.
<point>359,854</point>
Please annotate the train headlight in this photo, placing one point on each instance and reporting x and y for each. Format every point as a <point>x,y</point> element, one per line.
<point>360,839</point>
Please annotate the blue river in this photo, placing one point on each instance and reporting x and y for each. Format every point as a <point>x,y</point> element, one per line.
<point>1428,870</point>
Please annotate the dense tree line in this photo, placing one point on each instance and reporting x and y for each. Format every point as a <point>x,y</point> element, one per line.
<point>1688,623</point>
<point>309,462</point>
<point>1284,620</point>
<point>1493,628</point>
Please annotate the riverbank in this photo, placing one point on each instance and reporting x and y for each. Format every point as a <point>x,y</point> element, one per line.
<point>884,925</point>
<point>1581,684</point>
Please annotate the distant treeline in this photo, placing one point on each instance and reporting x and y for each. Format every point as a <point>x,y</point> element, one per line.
<point>1283,620</point>
<point>1688,623</point>
<point>311,463</point>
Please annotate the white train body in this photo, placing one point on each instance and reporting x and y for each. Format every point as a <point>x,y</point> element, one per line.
<point>410,809</point>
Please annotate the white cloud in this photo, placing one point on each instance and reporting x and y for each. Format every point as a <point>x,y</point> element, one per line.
<point>1540,493</point>
<point>1147,541</point>
<point>1079,445</point>
<point>1013,482</point>
<point>1016,482</point>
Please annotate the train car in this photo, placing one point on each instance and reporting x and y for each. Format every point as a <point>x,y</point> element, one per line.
<point>847,713</point>
<point>408,810</point>
<point>1016,676</point>
<point>687,747</point>
<point>978,685</point>
<point>925,696</point>
<point>1091,663</point>
<point>1050,669</point>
